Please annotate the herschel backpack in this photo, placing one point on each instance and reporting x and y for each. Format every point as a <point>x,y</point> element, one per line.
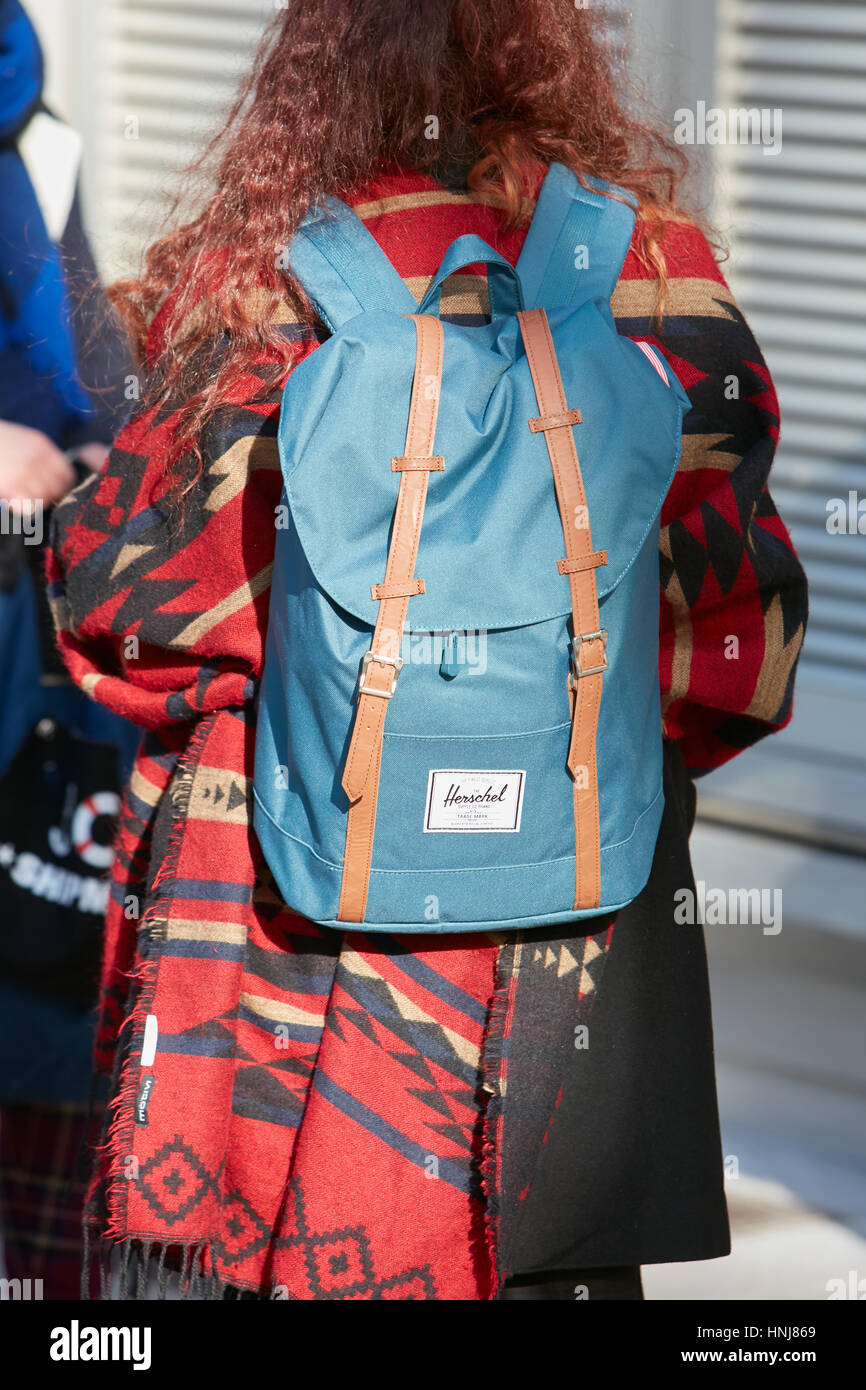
<point>459,720</point>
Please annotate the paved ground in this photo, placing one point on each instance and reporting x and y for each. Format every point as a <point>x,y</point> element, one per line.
<point>782,1249</point>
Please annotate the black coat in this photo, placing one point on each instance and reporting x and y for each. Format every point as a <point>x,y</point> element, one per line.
<point>629,1170</point>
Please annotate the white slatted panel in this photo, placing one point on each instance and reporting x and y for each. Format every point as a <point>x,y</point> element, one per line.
<point>172,66</point>
<point>797,226</point>
<point>799,240</point>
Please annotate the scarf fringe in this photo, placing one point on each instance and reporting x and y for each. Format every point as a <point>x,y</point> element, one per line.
<point>493,1083</point>
<point>117,1138</point>
<point>136,1270</point>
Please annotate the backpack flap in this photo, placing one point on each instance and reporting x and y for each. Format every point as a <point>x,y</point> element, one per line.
<point>482,570</point>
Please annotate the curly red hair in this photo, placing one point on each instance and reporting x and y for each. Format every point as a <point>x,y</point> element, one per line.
<point>340,87</point>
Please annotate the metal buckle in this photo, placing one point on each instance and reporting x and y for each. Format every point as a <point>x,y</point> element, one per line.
<point>395,661</point>
<point>575,646</point>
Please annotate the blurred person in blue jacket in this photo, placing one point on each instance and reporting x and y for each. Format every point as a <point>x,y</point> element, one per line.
<point>62,757</point>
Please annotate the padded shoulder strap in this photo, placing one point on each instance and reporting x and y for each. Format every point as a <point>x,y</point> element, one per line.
<point>343,268</point>
<point>576,243</point>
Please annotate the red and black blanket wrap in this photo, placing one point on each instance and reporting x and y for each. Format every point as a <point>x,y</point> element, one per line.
<point>327,1114</point>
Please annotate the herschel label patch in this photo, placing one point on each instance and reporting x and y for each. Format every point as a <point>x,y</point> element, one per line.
<point>473,801</point>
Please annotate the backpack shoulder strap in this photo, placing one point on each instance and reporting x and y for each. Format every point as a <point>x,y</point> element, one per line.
<point>572,225</point>
<point>343,268</point>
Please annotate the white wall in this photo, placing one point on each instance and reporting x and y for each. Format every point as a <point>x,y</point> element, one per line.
<point>70,33</point>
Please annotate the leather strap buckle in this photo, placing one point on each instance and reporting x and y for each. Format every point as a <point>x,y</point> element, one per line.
<point>575,645</point>
<point>395,661</point>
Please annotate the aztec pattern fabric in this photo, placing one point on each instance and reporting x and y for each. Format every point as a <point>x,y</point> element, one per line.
<point>323,1114</point>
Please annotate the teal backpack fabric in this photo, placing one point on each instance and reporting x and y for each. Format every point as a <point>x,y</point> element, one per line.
<point>482,696</point>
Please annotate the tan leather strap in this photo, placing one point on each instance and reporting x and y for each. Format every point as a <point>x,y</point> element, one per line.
<point>406,465</point>
<point>589,644</point>
<point>582,562</point>
<point>554,422</point>
<point>407,590</point>
<point>382,663</point>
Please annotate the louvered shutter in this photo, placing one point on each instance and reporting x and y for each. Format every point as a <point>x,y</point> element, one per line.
<point>168,70</point>
<point>798,233</point>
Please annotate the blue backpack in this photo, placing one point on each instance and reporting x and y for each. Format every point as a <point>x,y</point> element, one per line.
<point>459,722</point>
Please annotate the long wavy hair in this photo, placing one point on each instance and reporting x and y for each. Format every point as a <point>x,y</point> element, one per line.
<point>338,89</point>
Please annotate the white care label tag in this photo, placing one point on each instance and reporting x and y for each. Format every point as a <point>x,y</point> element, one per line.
<point>474,801</point>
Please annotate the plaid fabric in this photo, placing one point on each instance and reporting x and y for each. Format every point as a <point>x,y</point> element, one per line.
<point>43,1173</point>
<point>323,1116</point>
